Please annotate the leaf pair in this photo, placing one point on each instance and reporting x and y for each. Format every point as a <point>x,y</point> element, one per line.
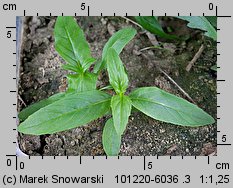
<point>120,103</point>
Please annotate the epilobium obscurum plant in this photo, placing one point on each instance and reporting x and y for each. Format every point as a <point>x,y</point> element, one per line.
<point>72,46</point>
<point>83,103</point>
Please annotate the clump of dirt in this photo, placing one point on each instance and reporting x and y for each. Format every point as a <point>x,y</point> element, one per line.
<point>42,76</point>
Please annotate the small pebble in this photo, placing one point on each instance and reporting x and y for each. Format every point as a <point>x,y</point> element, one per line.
<point>72,143</point>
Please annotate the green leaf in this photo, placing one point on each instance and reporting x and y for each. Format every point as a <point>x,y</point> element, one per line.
<point>74,110</point>
<point>200,22</point>
<point>81,82</point>
<point>212,20</point>
<point>164,106</point>
<point>36,106</point>
<point>116,71</point>
<point>121,109</point>
<point>110,139</point>
<point>151,24</point>
<point>214,67</point>
<point>71,44</point>
<point>118,41</point>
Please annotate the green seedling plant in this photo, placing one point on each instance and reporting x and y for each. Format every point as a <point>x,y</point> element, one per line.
<point>81,105</point>
<point>72,46</point>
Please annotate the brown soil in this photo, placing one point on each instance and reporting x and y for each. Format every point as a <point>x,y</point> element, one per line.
<point>41,76</point>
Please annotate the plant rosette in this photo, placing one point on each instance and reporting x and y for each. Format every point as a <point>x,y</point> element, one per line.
<point>83,103</point>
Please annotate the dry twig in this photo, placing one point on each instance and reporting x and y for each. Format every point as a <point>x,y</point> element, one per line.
<point>173,81</point>
<point>152,39</point>
<point>197,55</point>
<point>180,88</point>
<point>133,22</point>
<point>151,48</point>
<point>21,100</point>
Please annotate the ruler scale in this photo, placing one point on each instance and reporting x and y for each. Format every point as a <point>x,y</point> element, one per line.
<point>122,171</point>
